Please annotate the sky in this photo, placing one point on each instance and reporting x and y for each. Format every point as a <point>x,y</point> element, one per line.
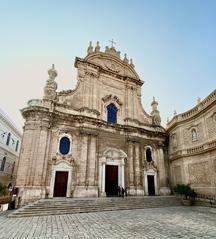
<point>172,44</point>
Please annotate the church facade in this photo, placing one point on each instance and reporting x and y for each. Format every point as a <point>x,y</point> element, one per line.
<point>89,141</point>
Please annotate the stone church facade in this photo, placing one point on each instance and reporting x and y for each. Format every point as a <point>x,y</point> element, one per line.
<point>88,141</point>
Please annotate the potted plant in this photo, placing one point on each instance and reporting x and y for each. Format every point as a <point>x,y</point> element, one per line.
<point>186,192</point>
<point>4,196</point>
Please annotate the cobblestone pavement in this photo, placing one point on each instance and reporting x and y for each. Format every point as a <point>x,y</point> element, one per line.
<point>160,223</point>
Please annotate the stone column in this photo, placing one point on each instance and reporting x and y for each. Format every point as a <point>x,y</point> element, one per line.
<point>82,163</point>
<point>103,193</point>
<point>92,159</point>
<point>137,165</point>
<point>139,188</point>
<point>164,189</point>
<point>130,164</point>
<point>123,172</point>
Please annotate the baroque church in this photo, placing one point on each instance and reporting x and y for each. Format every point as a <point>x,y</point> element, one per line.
<point>89,141</point>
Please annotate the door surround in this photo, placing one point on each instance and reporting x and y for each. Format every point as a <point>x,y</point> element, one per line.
<point>150,172</point>
<point>62,166</point>
<point>111,156</point>
<point>60,189</point>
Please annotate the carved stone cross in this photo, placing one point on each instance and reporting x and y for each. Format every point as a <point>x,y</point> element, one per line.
<point>112,42</point>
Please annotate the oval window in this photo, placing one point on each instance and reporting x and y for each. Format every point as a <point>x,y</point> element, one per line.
<point>64,146</point>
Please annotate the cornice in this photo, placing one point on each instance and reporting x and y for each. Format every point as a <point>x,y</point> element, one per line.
<point>54,115</point>
<point>206,147</point>
<point>9,123</point>
<point>195,112</point>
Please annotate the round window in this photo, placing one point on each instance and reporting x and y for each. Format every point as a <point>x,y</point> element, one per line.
<point>64,146</point>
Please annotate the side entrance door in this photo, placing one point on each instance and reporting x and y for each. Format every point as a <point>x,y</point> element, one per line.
<point>111,185</point>
<point>151,185</point>
<point>61,180</point>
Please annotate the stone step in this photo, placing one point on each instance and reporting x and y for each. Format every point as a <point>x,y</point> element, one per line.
<point>58,206</point>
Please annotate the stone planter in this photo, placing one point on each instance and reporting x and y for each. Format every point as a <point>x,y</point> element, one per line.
<point>4,207</point>
<point>186,202</point>
<point>5,199</point>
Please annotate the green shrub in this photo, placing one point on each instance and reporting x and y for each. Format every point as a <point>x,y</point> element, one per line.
<point>3,190</point>
<point>185,190</point>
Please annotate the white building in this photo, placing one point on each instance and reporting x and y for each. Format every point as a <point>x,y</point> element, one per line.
<point>10,140</point>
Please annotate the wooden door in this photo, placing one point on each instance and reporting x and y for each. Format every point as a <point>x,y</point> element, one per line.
<point>111,185</point>
<point>61,180</point>
<point>151,185</point>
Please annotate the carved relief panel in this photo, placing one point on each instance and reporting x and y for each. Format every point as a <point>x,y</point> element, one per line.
<point>199,173</point>
<point>211,125</point>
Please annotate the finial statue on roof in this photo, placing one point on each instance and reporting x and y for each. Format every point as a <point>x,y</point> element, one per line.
<point>97,48</point>
<point>51,86</point>
<point>90,48</point>
<point>156,119</point>
<point>125,58</point>
<point>198,100</point>
<point>52,72</point>
<point>174,113</point>
<point>131,63</point>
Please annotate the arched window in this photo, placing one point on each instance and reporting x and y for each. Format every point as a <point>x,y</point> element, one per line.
<point>194,135</point>
<point>3,164</point>
<point>8,139</point>
<point>112,113</point>
<point>64,146</point>
<point>148,155</point>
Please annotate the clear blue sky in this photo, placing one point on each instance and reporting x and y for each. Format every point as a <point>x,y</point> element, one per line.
<point>172,44</point>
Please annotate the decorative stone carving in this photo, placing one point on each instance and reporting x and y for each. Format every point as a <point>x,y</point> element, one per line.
<point>199,173</point>
<point>90,48</point>
<point>211,125</point>
<point>112,66</point>
<point>156,119</point>
<point>97,48</point>
<point>112,98</point>
<point>51,85</point>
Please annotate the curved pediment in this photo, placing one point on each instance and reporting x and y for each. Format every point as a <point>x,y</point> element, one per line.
<point>114,153</point>
<point>112,62</point>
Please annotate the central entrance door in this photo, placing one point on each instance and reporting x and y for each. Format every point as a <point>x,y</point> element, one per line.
<point>61,180</point>
<point>151,185</point>
<point>111,184</point>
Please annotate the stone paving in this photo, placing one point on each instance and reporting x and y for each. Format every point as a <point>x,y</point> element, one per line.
<point>160,223</point>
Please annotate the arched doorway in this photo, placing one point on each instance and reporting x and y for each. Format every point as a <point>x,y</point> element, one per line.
<point>112,171</point>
